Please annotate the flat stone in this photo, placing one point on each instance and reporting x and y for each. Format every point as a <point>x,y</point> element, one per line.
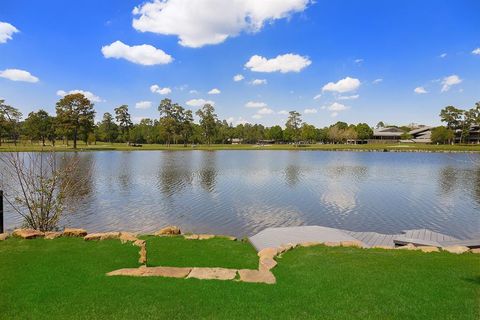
<point>93,236</point>
<point>3,236</point>
<point>475,250</point>
<point>127,237</point>
<point>285,247</point>
<point>110,235</point>
<point>231,238</point>
<point>268,253</point>
<point>71,232</point>
<point>213,273</point>
<point>456,249</point>
<point>407,247</point>
<point>170,230</point>
<point>191,237</point>
<point>383,247</point>
<point>428,249</point>
<point>310,244</point>
<point>131,272</point>
<point>139,243</point>
<point>27,233</point>
<point>52,235</point>
<point>143,255</point>
<point>332,244</point>
<point>170,272</point>
<point>257,276</point>
<point>205,236</point>
<point>353,243</point>
<point>267,264</point>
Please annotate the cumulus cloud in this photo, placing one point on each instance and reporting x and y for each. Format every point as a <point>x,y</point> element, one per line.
<point>318,96</point>
<point>420,90</point>
<point>6,31</point>
<point>157,89</point>
<point>198,23</point>
<point>336,107</point>
<point>283,112</point>
<point>144,54</point>
<point>450,81</point>
<point>377,81</point>
<point>345,85</point>
<point>214,91</point>
<point>352,97</point>
<point>258,82</point>
<point>358,61</point>
<point>238,77</point>
<point>89,95</point>
<point>282,63</point>
<point>199,102</point>
<point>255,104</point>
<point>143,105</point>
<point>476,51</point>
<point>18,75</point>
<point>265,111</point>
<point>443,55</point>
<point>310,111</point>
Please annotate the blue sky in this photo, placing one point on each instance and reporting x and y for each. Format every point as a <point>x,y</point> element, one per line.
<point>363,60</point>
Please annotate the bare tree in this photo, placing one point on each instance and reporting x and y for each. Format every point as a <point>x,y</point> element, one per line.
<point>41,186</point>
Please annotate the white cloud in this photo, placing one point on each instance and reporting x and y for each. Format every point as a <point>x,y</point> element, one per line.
<point>199,102</point>
<point>282,63</point>
<point>376,81</point>
<point>352,97</point>
<point>443,55</point>
<point>310,111</point>
<point>258,82</point>
<point>283,112</point>
<point>157,89</point>
<point>238,77</point>
<point>144,54</point>
<point>18,75</point>
<point>89,95</point>
<point>476,51</point>
<point>450,81</point>
<point>199,22</point>
<point>257,116</point>
<point>420,90</point>
<point>358,61</point>
<point>265,111</point>
<point>345,85</point>
<point>255,104</point>
<point>241,121</point>
<point>143,105</point>
<point>337,107</point>
<point>230,120</point>
<point>193,92</point>
<point>318,96</point>
<point>6,31</point>
<point>214,91</point>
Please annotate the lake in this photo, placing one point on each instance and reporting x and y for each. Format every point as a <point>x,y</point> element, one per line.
<point>243,192</point>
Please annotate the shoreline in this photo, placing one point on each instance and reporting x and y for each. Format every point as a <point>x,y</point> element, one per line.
<point>469,149</point>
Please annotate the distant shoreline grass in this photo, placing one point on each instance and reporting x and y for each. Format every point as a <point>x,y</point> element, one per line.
<point>380,147</point>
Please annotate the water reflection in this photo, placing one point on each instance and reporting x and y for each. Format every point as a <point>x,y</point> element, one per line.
<point>208,171</point>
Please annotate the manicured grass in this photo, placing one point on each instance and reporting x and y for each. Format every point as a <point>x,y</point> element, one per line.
<point>65,279</point>
<point>100,146</point>
<point>217,252</point>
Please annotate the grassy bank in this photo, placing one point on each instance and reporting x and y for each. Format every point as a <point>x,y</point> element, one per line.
<point>65,278</point>
<point>394,147</point>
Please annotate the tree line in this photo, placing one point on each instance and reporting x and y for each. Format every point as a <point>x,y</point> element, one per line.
<point>75,120</point>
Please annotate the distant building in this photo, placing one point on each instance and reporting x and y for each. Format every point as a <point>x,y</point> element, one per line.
<point>236,141</point>
<point>473,135</point>
<point>422,134</point>
<point>389,133</point>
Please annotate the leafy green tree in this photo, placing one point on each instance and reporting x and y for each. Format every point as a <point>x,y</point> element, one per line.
<point>39,126</point>
<point>364,131</point>
<point>186,125</point>
<point>406,136</point>
<point>308,133</point>
<point>442,135</point>
<point>9,120</point>
<point>208,122</point>
<point>275,133</point>
<point>169,119</point>
<point>75,112</point>
<point>108,129</point>
<point>451,116</point>
<point>292,127</point>
<point>122,116</point>
<point>380,125</point>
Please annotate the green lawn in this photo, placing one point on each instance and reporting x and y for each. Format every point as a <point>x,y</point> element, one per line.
<point>65,279</point>
<point>325,147</point>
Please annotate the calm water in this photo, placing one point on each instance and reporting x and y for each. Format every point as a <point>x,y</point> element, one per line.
<point>243,192</point>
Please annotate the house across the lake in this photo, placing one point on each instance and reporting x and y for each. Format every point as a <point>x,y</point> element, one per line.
<point>421,134</point>
<point>389,133</point>
<point>472,137</point>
